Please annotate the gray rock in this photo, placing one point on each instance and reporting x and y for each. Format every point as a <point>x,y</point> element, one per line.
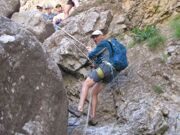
<point>65,53</point>
<point>8,7</point>
<point>92,17</point>
<point>120,19</point>
<point>173,52</point>
<point>32,97</point>
<point>117,25</point>
<point>35,23</point>
<point>104,21</point>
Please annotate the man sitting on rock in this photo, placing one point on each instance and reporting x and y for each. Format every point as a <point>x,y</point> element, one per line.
<point>58,9</point>
<point>103,72</point>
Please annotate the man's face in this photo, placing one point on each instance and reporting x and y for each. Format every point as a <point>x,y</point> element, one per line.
<point>48,10</point>
<point>59,9</point>
<point>95,38</point>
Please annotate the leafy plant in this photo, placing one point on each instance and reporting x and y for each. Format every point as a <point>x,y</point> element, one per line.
<point>175,25</point>
<point>155,41</point>
<point>100,1</point>
<point>158,89</point>
<point>150,34</point>
<point>141,34</point>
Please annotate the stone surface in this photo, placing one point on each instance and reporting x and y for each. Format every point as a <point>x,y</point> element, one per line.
<point>145,12</point>
<point>32,97</point>
<point>144,98</point>
<point>173,51</point>
<point>118,24</point>
<point>35,23</point>
<point>8,7</point>
<point>142,95</point>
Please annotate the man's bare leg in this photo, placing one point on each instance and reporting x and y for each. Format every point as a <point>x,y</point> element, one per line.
<point>95,89</point>
<point>88,83</point>
<point>67,9</point>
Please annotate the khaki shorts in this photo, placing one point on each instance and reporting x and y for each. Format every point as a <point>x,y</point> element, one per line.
<point>104,72</point>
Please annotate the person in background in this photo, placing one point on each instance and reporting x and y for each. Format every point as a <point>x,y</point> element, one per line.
<point>48,14</point>
<point>59,17</point>
<point>103,72</point>
<point>58,9</point>
<point>69,7</point>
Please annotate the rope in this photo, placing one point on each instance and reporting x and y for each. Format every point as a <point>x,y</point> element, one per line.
<point>89,106</point>
<point>89,109</point>
<point>71,36</point>
<point>76,41</point>
<point>82,52</point>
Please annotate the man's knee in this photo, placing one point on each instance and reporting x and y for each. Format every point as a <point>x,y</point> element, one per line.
<point>97,88</point>
<point>89,82</point>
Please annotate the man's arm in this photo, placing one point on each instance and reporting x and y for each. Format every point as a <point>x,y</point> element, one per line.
<point>97,51</point>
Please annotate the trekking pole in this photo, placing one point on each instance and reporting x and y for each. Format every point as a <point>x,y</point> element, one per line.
<point>75,44</point>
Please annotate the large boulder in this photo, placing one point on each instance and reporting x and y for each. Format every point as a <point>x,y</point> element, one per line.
<point>8,7</point>
<point>32,98</point>
<point>35,23</point>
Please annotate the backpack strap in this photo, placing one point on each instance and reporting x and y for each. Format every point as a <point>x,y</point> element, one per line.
<point>109,41</point>
<point>100,52</point>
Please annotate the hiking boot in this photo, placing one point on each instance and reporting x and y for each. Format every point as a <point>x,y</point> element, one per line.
<point>75,111</point>
<point>92,122</point>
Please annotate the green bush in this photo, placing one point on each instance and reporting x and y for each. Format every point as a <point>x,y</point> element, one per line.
<point>155,41</point>
<point>175,25</point>
<point>158,89</point>
<point>100,1</point>
<point>141,34</point>
<point>150,34</point>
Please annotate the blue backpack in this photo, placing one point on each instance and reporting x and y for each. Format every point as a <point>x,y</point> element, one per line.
<point>118,57</point>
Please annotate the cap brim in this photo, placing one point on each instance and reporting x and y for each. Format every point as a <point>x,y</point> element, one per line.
<point>92,36</point>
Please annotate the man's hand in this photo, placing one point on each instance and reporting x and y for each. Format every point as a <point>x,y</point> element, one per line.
<point>89,48</point>
<point>92,65</point>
